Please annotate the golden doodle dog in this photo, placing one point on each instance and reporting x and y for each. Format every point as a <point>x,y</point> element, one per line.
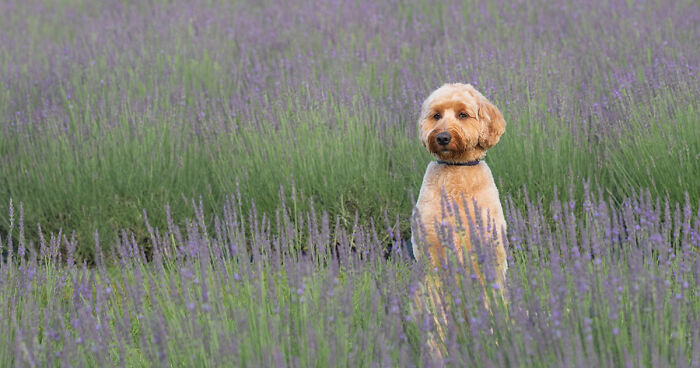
<point>458,125</point>
<point>458,197</point>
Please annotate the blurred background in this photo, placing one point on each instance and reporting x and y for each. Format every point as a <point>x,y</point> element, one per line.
<point>111,108</point>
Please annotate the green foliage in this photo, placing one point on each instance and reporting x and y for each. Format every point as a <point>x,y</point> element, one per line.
<point>131,120</point>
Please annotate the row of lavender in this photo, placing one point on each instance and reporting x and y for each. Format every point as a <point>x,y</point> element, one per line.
<point>614,287</point>
<point>216,59</point>
<point>107,108</point>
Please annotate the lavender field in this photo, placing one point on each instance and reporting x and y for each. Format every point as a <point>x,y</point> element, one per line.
<point>230,183</point>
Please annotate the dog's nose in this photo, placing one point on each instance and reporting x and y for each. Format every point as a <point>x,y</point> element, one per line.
<point>443,138</point>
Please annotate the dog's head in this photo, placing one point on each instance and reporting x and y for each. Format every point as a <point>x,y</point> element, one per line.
<point>457,123</point>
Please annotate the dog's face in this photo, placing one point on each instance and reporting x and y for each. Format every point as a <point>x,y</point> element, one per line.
<point>457,123</point>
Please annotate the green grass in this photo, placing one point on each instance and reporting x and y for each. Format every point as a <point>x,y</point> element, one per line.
<point>104,179</point>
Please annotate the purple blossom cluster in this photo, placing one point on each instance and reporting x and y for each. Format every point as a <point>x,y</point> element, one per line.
<point>613,286</point>
<point>217,62</point>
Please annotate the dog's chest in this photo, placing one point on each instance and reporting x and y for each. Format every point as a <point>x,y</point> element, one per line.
<point>462,186</point>
<point>456,182</point>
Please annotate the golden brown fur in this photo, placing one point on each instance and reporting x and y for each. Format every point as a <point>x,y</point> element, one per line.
<point>471,137</point>
<point>474,125</point>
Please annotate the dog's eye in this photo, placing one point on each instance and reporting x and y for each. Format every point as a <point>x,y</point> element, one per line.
<point>437,116</point>
<point>462,115</point>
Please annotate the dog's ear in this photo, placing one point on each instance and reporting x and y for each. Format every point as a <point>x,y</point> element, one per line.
<point>422,134</point>
<point>492,123</point>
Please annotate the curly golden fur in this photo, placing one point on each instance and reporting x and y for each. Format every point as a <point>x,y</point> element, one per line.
<point>450,192</point>
<point>474,125</point>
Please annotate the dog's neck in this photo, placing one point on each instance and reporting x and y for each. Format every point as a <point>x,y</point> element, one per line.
<point>467,163</point>
<point>469,157</point>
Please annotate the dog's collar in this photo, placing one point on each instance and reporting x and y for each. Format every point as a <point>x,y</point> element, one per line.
<point>468,163</point>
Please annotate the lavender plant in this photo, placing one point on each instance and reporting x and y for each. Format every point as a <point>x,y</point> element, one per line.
<point>614,287</point>
<point>109,107</point>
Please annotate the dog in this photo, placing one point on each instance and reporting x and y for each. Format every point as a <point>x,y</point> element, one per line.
<point>458,197</point>
<point>457,124</point>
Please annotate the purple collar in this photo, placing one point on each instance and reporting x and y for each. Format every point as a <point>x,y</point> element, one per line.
<point>468,163</point>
